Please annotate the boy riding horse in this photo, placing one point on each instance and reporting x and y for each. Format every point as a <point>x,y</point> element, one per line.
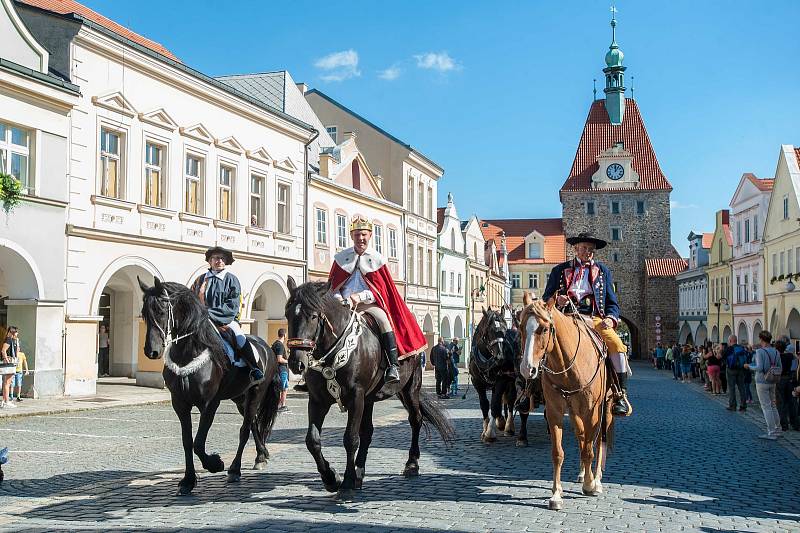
<point>359,275</point>
<point>588,285</point>
<point>221,293</point>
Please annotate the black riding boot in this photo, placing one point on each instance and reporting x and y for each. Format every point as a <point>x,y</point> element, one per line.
<point>389,343</point>
<point>245,353</point>
<point>622,407</point>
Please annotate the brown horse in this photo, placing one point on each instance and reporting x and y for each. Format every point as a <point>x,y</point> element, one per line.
<point>574,380</point>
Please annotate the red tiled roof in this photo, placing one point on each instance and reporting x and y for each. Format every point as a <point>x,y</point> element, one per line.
<point>64,7</point>
<point>797,155</point>
<point>599,135</point>
<point>708,240</point>
<point>517,229</point>
<point>439,219</point>
<point>663,267</point>
<point>763,185</point>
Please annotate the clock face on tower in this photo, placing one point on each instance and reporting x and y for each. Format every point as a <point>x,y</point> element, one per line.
<point>615,171</point>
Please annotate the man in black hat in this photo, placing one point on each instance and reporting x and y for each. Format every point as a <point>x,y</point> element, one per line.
<point>221,293</point>
<point>588,284</point>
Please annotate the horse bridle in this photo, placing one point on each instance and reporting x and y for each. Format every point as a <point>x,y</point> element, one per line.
<point>167,335</point>
<point>551,331</point>
<point>311,345</point>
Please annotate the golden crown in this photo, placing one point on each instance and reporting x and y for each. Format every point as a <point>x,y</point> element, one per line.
<point>358,223</point>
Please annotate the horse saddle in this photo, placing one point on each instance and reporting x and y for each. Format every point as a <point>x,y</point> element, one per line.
<point>597,340</point>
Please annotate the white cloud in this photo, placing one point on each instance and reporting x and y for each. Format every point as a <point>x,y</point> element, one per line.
<point>339,66</point>
<point>433,61</point>
<point>674,204</point>
<point>389,74</point>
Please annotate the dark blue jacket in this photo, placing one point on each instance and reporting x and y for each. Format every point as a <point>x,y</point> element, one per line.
<point>605,300</point>
<point>223,297</point>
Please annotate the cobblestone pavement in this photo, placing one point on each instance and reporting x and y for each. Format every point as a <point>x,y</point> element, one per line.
<point>681,463</point>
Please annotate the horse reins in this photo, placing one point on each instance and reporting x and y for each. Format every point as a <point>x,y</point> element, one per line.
<point>167,335</point>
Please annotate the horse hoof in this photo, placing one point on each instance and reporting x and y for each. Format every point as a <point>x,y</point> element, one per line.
<point>337,482</point>
<point>346,495</point>
<point>185,490</point>
<point>554,505</point>
<point>522,443</point>
<point>411,471</point>
<point>489,440</point>
<point>260,465</point>
<point>509,433</point>
<point>234,477</point>
<point>214,464</point>
<point>358,483</point>
<point>588,492</point>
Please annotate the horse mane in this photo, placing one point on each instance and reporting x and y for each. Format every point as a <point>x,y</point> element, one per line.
<point>314,296</point>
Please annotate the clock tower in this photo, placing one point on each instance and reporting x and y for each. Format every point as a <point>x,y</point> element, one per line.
<point>617,190</point>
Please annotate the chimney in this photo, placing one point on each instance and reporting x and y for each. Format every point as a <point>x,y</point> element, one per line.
<point>348,135</point>
<point>303,87</point>
<point>326,164</point>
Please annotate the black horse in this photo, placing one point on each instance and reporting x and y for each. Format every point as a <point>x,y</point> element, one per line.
<point>494,366</point>
<point>343,363</point>
<point>199,374</point>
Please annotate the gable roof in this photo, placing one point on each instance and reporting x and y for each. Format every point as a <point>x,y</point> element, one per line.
<point>279,90</point>
<point>599,135</point>
<point>439,219</point>
<point>664,267</point>
<point>708,239</point>
<point>555,247</point>
<point>762,184</point>
<point>66,7</point>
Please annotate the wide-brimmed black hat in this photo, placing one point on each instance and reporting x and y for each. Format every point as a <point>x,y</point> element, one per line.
<point>587,237</point>
<point>227,254</point>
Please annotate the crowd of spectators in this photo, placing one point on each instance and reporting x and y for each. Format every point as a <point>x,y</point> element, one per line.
<point>732,368</point>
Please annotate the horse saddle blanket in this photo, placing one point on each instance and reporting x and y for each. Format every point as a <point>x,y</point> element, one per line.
<point>228,341</point>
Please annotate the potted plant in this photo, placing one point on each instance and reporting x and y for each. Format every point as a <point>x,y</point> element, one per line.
<point>10,192</point>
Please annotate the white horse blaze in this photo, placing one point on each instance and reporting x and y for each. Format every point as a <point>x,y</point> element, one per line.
<point>526,368</point>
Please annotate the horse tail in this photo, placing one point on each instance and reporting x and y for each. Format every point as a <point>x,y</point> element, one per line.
<point>268,410</point>
<point>433,414</point>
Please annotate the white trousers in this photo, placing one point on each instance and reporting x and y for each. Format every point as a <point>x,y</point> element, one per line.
<point>236,328</point>
<point>766,397</point>
<point>620,362</point>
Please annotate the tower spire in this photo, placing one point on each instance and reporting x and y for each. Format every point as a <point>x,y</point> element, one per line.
<point>615,76</point>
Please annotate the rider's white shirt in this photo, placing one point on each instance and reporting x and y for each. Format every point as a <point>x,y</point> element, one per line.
<point>211,274</point>
<point>356,284</point>
<point>580,285</point>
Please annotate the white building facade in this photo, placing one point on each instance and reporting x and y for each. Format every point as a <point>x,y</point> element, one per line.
<point>166,162</point>
<point>35,114</point>
<point>693,292</point>
<point>749,207</point>
<point>453,272</point>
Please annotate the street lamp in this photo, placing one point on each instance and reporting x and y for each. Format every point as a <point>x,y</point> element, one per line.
<point>718,305</point>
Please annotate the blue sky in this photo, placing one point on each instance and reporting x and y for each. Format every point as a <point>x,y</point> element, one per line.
<point>497,92</point>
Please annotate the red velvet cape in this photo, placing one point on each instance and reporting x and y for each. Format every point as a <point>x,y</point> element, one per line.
<point>410,339</point>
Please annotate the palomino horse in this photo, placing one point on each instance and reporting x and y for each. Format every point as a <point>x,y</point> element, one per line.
<point>343,364</point>
<point>574,379</point>
<point>199,374</point>
<point>492,367</point>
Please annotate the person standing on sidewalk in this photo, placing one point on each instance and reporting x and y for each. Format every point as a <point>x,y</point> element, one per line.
<point>455,358</point>
<point>766,358</point>
<point>736,359</point>
<point>103,342</point>
<point>8,357</point>
<point>279,347</point>
<point>22,370</point>
<point>786,404</point>
<point>439,360</point>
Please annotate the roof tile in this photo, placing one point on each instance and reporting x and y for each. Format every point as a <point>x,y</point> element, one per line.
<point>599,135</point>
<point>517,229</point>
<point>64,7</point>
<point>708,240</point>
<point>664,267</point>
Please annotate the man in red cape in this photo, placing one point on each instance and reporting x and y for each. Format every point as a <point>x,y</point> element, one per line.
<point>359,274</point>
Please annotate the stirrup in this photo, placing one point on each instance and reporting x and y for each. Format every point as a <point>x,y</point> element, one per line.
<point>622,404</point>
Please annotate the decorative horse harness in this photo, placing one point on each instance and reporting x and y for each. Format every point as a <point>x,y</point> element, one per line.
<point>337,355</point>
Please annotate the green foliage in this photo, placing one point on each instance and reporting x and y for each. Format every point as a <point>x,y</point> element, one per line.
<point>10,192</point>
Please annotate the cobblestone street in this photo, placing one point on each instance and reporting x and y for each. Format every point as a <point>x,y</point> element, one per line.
<point>681,463</point>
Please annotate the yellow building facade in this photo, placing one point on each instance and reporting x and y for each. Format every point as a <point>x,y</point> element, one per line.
<point>782,248</point>
<point>720,314</point>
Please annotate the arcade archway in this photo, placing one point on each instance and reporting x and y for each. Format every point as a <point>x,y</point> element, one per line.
<point>685,334</point>
<point>445,330</point>
<point>458,328</point>
<point>629,334</point>
<point>268,309</point>
<point>726,333</point>
<point>427,330</point>
<point>793,325</point>
<point>757,329</point>
<point>701,336</point>
<point>742,334</point>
